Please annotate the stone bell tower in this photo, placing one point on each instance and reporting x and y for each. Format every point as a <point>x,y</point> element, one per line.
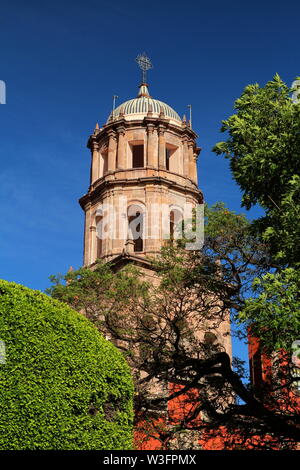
<point>143,171</point>
<point>143,176</point>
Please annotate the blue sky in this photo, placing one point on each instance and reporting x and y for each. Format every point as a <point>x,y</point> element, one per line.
<point>63,61</point>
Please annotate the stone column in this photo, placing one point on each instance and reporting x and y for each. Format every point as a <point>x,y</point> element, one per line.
<point>185,157</point>
<point>95,162</point>
<point>195,175</point>
<point>152,146</point>
<point>191,160</point>
<point>112,151</point>
<point>161,147</point>
<point>121,147</point>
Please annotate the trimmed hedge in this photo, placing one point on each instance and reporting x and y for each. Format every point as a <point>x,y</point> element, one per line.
<point>63,386</point>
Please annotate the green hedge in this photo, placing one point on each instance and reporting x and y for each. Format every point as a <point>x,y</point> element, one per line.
<point>63,386</point>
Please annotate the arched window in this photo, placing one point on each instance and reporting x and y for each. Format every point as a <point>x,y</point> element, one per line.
<point>99,235</point>
<point>101,227</point>
<point>172,226</point>
<point>136,226</point>
<point>176,225</point>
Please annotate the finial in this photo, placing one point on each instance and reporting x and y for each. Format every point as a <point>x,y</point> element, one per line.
<point>184,119</point>
<point>144,64</point>
<point>143,91</point>
<point>115,97</point>
<point>96,130</point>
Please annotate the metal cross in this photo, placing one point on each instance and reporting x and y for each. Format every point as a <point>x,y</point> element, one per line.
<point>144,64</point>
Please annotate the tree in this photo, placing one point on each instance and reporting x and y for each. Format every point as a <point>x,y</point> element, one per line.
<point>62,386</point>
<point>263,147</point>
<point>273,314</point>
<point>170,333</point>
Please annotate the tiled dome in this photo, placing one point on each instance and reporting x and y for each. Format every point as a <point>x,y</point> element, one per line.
<point>143,104</point>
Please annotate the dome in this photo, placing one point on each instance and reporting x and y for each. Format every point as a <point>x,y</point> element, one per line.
<point>144,104</point>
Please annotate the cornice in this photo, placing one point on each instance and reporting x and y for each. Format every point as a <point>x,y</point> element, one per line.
<point>106,185</point>
<point>126,258</point>
<point>124,124</point>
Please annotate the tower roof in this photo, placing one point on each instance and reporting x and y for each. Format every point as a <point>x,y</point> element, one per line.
<point>142,105</point>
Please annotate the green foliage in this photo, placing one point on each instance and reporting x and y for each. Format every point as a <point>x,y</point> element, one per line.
<point>224,229</point>
<point>218,217</point>
<point>63,385</point>
<point>230,241</point>
<point>99,292</point>
<point>274,315</point>
<point>281,228</point>
<point>193,291</point>
<point>263,147</point>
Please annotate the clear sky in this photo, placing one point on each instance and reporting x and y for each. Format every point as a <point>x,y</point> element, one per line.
<point>63,61</point>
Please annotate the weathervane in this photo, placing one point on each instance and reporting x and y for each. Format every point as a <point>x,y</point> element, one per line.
<point>144,64</point>
<point>115,97</point>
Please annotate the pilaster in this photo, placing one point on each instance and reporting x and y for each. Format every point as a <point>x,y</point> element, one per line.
<point>161,147</point>
<point>121,147</point>
<point>185,157</point>
<point>112,150</point>
<point>95,162</point>
<point>152,146</point>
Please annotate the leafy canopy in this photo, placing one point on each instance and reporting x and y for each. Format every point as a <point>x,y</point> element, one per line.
<point>263,146</point>
<point>274,313</point>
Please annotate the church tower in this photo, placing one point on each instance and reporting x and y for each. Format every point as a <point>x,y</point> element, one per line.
<point>143,175</point>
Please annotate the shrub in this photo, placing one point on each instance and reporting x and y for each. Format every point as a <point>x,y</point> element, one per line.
<point>63,386</point>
